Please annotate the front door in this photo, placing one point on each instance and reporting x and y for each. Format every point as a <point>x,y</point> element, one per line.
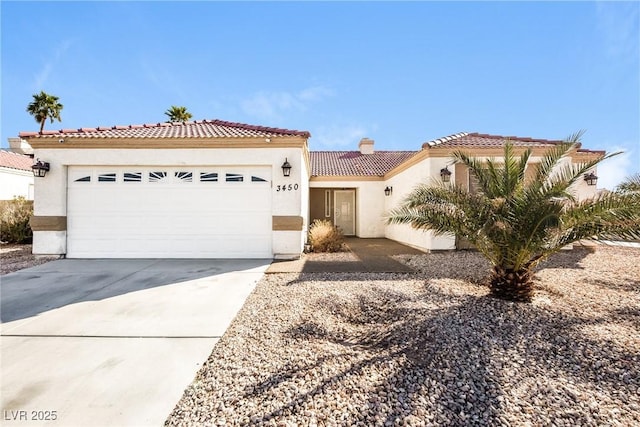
<point>344,211</point>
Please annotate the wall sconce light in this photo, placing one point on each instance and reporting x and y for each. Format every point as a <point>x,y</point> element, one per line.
<point>591,178</point>
<point>445,174</point>
<point>40,169</point>
<point>286,168</point>
<point>388,191</point>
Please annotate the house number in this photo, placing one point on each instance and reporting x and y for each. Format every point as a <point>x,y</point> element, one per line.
<point>285,187</point>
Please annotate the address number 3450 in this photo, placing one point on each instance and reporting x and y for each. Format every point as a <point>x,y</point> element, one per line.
<point>287,187</point>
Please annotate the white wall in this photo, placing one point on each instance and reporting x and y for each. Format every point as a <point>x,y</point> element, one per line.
<point>15,182</point>
<point>403,184</point>
<point>51,191</point>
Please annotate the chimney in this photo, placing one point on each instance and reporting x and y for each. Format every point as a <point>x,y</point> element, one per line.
<point>366,146</point>
<point>20,146</point>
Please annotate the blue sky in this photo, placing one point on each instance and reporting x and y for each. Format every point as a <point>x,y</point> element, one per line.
<point>399,73</point>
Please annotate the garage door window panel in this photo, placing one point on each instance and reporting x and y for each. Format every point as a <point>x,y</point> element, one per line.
<point>157,176</point>
<point>234,177</point>
<point>184,176</point>
<point>133,177</point>
<point>107,177</point>
<point>208,177</point>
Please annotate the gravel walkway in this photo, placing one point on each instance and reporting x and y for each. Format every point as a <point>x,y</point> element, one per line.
<point>430,348</point>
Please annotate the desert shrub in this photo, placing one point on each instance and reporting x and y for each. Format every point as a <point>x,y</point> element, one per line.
<point>14,220</point>
<point>325,237</point>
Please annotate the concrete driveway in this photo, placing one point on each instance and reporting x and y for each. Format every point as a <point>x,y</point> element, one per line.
<point>112,342</point>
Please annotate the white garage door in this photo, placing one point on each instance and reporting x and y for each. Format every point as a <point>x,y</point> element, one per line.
<point>169,212</point>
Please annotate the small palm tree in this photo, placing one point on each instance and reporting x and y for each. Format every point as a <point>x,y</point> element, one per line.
<point>44,106</point>
<point>178,114</point>
<point>517,223</point>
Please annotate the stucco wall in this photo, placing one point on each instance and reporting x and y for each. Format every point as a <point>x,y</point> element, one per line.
<point>14,182</point>
<point>51,191</point>
<point>403,184</point>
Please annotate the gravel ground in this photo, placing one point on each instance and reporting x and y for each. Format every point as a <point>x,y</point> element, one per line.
<point>430,348</point>
<point>16,257</point>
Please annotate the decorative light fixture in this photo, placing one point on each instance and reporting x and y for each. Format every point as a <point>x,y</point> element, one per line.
<point>286,168</point>
<point>388,191</point>
<point>445,174</point>
<point>591,178</point>
<point>40,169</point>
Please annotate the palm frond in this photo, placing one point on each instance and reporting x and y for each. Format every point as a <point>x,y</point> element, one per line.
<point>610,213</point>
<point>630,185</point>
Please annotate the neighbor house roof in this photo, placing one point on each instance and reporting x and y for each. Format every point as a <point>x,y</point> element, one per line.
<point>483,140</point>
<point>192,129</point>
<point>15,161</point>
<point>354,163</point>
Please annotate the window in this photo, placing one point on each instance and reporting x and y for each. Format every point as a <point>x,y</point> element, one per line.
<point>208,177</point>
<point>107,177</point>
<point>157,176</point>
<point>184,176</point>
<point>327,203</point>
<point>133,177</point>
<point>257,179</point>
<point>84,179</point>
<point>473,184</point>
<point>234,177</point>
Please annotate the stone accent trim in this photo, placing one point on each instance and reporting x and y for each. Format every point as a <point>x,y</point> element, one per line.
<point>287,223</point>
<point>48,223</point>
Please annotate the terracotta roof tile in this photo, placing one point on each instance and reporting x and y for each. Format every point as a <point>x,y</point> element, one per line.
<point>354,163</point>
<point>15,161</point>
<point>483,140</point>
<point>464,139</point>
<point>194,129</point>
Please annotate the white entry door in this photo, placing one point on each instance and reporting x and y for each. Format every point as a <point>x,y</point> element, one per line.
<point>344,211</point>
<point>169,212</point>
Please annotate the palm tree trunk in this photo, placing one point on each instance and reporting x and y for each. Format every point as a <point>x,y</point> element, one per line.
<point>42,124</point>
<point>512,285</point>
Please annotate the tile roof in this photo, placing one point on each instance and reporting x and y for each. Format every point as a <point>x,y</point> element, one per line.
<point>192,129</point>
<point>354,163</point>
<point>483,140</point>
<point>15,161</point>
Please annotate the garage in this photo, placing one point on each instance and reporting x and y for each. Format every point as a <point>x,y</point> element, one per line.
<point>169,212</point>
<point>197,189</point>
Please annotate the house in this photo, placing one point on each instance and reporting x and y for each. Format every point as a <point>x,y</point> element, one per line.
<point>216,189</point>
<point>354,189</point>
<point>16,177</point>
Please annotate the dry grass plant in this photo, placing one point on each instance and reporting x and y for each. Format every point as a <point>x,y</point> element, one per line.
<point>14,220</point>
<point>325,237</point>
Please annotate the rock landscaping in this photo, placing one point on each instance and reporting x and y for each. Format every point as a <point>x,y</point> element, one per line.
<point>14,257</point>
<point>430,348</point>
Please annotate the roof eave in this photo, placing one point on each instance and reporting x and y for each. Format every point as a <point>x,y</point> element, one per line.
<point>168,142</point>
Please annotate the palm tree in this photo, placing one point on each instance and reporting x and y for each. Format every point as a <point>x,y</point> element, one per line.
<point>517,223</point>
<point>178,114</point>
<point>44,106</point>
